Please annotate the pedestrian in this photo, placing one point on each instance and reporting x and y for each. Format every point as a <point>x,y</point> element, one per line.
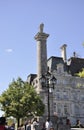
<point>28,126</point>
<point>12,127</point>
<point>48,124</point>
<point>51,128</point>
<point>35,124</point>
<point>3,123</point>
<point>43,126</point>
<point>78,124</point>
<point>68,123</point>
<point>22,127</point>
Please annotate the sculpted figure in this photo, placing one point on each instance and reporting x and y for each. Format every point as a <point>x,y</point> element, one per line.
<point>41,28</point>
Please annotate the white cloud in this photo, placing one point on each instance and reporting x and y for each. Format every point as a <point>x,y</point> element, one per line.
<point>9,50</point>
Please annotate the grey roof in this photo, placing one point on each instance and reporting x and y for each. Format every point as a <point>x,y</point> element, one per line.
<point>73,66</point>
<point>53,61</point>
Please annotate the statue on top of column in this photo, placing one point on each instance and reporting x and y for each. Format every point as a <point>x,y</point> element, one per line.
<point>41,28</point>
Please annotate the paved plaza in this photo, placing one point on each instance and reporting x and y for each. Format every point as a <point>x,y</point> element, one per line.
<point>77,128</point>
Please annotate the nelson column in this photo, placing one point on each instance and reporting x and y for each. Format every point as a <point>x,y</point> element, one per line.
<point>41,39</point>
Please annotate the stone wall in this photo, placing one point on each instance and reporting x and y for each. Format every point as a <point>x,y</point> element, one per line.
<point>63,127</point>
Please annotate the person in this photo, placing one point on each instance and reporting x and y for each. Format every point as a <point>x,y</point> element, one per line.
<point>48,124</point>
<point>12,127</point>
<point>28,126</point>
<point>19,128</point>
<point>78,124</point>
<point>2,127</point>
<point>6,125</point>
<point>3,124</point>
<point>35,124</point>
<point>51,128</point>
<point>43,126</point>
<point>68,122</point>
<point>22,127</point>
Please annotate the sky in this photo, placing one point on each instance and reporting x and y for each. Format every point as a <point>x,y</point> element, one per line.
<point>19,23</point>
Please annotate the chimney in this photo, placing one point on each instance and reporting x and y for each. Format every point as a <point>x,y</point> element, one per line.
<point>63,52</point>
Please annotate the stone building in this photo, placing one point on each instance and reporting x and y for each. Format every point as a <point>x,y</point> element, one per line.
<point>67,98</point>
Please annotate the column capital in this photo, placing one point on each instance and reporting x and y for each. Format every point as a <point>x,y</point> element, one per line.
<point>41,36</point>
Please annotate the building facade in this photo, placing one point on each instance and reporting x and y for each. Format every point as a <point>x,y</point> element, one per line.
<point>67,98</point>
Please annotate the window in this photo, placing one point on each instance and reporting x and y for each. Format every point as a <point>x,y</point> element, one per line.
<point>59,108</point>
<point>60,68</point>
<point>74,95</point>
<point>54,106</point>
<point>65,95</point>
<point>58,94</point>
<point>76,109</point>
<point>82,97</point>
<point>65,109</point>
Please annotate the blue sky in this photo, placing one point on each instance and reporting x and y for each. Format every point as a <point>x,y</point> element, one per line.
<point>19,22</point>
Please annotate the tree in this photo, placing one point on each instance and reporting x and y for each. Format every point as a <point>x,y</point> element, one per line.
<point>21,100</point>
<point>81,74</point>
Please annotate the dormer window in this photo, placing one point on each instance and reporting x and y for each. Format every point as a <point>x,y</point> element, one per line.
<point>60,68</point>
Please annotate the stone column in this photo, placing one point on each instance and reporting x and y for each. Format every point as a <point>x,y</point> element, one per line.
<point>41,39</point>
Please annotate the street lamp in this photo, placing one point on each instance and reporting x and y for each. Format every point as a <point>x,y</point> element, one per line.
<point>48,81</point>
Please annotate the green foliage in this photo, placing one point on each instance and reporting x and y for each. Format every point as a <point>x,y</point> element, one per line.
<point>21,100</point>
<point>81,74</point>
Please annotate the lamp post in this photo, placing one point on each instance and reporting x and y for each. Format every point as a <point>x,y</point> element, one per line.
<point>48,81</point>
